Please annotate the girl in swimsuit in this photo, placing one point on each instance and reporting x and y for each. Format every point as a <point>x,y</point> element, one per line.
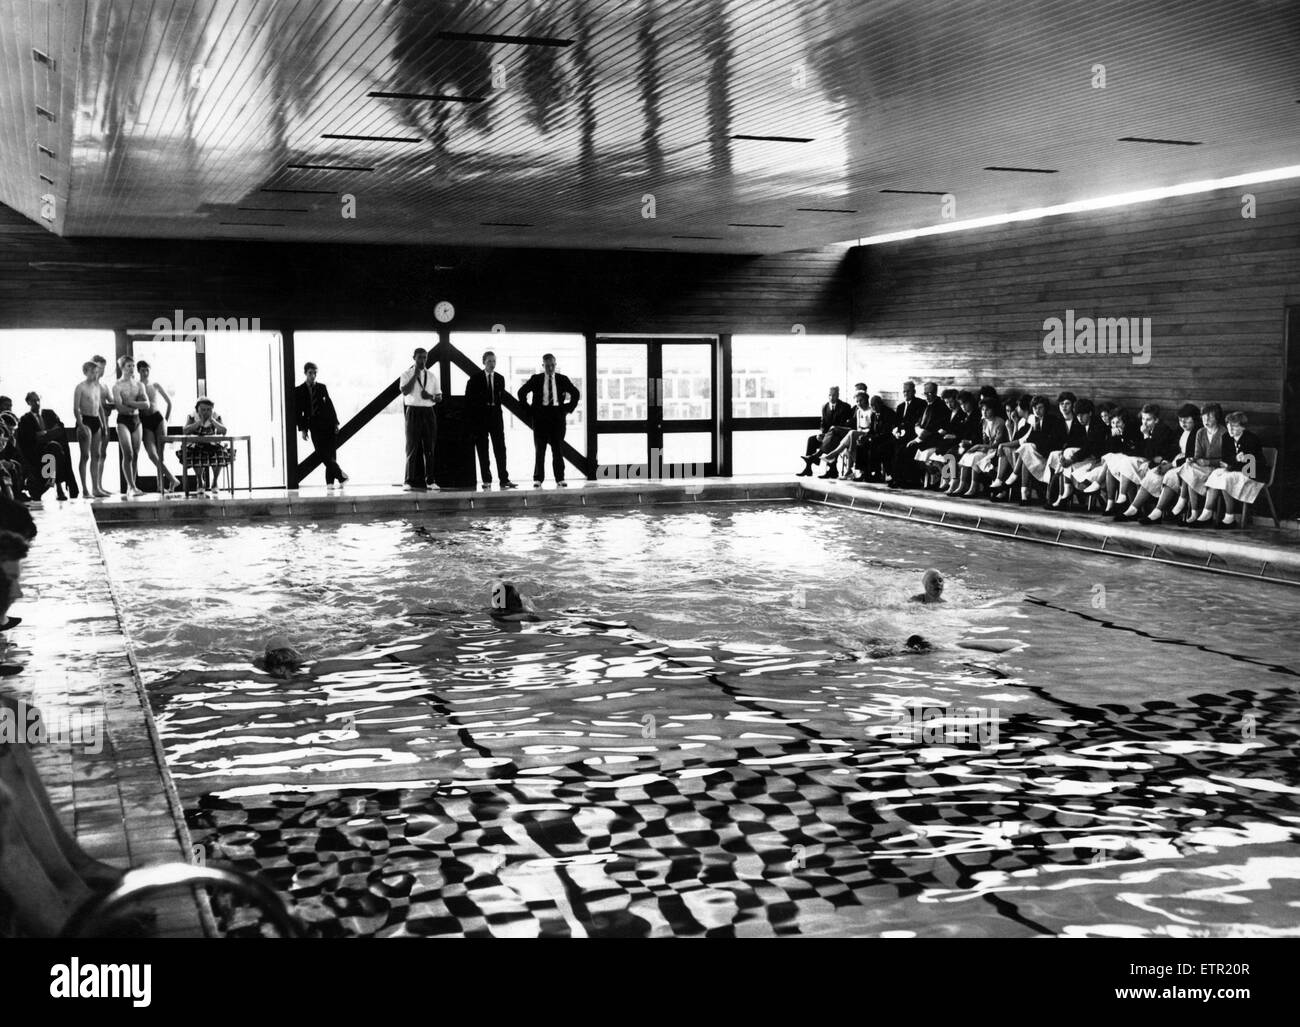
<point>87,408</point>
<point>154,426</point>
<point>129,397</point>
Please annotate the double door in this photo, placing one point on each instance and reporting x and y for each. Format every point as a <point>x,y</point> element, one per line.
<point>656,405</point>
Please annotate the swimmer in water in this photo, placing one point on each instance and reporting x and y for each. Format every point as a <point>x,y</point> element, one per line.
<point>508,605</point>
<point>932,582</point>
<point>280,659</point>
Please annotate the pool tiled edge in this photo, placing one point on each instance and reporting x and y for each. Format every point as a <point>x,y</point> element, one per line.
<point>79,669</point>
<point>1267,554</point>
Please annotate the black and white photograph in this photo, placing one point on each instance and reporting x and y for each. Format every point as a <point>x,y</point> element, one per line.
<point>630,470</point>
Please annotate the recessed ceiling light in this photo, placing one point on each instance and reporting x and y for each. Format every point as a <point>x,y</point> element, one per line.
<point>326,167</point>
<point>774,139</point>
<point>373,139</point>
<point>1160,142</point>
<point>426,96</point>
<point>485,37</point>
<point>1028,171</point>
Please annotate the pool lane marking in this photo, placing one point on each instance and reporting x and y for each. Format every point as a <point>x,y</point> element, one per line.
<point>440,705</point>
<point>1277,668</point>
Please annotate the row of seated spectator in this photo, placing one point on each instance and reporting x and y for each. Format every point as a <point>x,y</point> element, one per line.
<point>1009,449</point>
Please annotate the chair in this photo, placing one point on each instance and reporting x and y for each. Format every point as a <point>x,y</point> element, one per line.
<point>197,456</point>
<point>1270,458</point>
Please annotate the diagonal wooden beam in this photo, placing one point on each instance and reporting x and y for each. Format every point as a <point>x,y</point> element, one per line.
<point>362,418</point>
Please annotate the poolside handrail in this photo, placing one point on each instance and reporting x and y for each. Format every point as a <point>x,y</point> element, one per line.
<point>93,916</point>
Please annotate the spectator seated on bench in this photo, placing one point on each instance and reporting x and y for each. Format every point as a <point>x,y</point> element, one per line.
<point>206,458</point>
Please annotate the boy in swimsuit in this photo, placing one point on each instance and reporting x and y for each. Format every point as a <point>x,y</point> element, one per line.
<point>87,407</point>
<point>105,406</point>
<point>153,425</point>
<point>129,398</point>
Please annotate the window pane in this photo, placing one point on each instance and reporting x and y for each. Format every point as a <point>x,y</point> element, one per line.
<point>622,455</point>
<point>785,375</point>
<point>622,371</point>
<point>689,448</point>
<point>767,452</point>
<point>245,382</point>
<point>688,381</point>
<point>357,366</point>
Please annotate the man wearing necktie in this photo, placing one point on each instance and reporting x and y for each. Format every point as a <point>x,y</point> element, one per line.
<point>316,416</point>
<point>483,399</point>
<point>420,391</point>
<point>554,397</point>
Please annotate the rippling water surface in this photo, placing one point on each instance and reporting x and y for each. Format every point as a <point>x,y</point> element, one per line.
<point>717,730</point>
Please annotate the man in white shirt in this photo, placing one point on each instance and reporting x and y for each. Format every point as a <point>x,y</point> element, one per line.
<point>420,392</point>
<point>553,397</point>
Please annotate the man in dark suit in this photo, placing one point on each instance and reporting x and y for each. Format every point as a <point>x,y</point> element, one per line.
<point>42,441</point>
<point>316,416</point>
<point>908,412</point>
<point>483,395</point>
<point>924,434</point>
<point>837,419</point>
<point>554,397</point>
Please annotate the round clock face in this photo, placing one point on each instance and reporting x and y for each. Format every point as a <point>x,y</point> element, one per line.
<point>444,311</point>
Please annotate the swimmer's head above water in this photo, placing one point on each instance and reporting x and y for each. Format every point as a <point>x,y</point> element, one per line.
<point>280,658</point>
<point>508,604</point>
<point>932,582</point>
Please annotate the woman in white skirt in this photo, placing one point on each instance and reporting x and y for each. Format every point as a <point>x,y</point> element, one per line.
<point>1206,455</point>
<point>978,461</point>
<point>1128,469</point>
<point>1121,446</point>
<point>1019,412</point>
<point>1241,473</point>
<point>1163,482</point>
<point>1091,476</point>
<point>1031,457</point>
<point>1074,472</point>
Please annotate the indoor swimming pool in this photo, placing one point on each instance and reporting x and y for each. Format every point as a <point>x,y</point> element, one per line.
<point>717,729</point>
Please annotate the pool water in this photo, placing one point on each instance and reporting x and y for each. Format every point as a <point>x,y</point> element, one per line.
<point>717,730</point>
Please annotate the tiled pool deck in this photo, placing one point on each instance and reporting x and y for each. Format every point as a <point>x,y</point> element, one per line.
<point>78,662</point>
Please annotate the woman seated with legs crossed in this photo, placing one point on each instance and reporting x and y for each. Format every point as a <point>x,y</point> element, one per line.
<point>1163,481</point>
<point>1076,470</point>
<point>1019,421</point>
<point>1157,446</point>
<point>963,431</point>
<point>1206,456</point>
<point>979,459</point>
<point>1240,476</point>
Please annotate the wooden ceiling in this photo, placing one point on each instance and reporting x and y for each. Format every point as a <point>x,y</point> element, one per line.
<point>256,119</point>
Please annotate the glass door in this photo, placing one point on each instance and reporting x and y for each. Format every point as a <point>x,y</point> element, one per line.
<point>655,408</point>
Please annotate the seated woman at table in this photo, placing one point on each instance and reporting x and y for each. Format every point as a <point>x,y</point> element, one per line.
<point>204,421</point>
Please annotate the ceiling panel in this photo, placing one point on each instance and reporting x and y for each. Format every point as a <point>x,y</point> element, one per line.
<point>559,119</point>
